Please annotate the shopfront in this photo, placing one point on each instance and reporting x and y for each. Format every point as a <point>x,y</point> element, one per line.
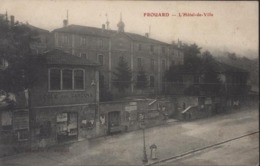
<point>67,126</point>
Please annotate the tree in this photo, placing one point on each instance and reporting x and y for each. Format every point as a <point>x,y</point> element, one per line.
<point>23,67</point>
<point>104,94</point>
<point>211,82</point>
<point>142,81</point>
<point>191,56</point>
<point>123,76</point>
<point>173,79</point>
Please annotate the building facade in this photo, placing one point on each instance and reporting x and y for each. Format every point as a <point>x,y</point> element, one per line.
<point>61,105</point>
<point>106,47</point>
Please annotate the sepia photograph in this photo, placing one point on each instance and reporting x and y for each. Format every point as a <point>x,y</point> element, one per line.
<point>142,83</point>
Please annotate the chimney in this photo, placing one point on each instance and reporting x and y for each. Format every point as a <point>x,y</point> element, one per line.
<point>147,35</point>
<point>103,27</point>
<point>12,20</point>
<point>65,23</point>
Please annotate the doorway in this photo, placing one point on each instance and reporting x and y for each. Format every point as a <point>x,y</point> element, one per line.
<point>114,122</point>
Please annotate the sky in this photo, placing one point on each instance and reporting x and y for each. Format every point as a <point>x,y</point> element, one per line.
<point>231,26</point>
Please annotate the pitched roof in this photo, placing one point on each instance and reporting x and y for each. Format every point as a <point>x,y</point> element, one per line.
<point>58,57</point>
<point>225,68</point>
<point>86,30</point>
<point>36,28</point>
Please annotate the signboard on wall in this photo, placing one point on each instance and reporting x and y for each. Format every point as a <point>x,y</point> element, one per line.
<point>21,119</point>
<point>6,118</point>
<point>62,117</point>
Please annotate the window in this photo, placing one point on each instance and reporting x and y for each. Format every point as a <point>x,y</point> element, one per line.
<point>163,49</point>
<point>66,79</point>
<point>83,41</point>
<point>100,59</point>
<point>65,39</point>
<point>152,64</point>
<point>151,81</point>
<point>173,62</point>
<point>100,43</point>
<point>84,55</point>
<point>152,48</point>
<point>139,62</point>
<point>55,79</point>
<point>163,65</point>
<point>139,47</point>
<point>78,79</point>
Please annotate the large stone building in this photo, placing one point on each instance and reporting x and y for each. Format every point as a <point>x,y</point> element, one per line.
<point>106,47</point>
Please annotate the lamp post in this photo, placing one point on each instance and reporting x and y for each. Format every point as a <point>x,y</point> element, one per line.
<point>95,83</point>
<point>141,117</point>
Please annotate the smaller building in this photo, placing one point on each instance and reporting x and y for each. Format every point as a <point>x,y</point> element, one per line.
<point>60,107</point>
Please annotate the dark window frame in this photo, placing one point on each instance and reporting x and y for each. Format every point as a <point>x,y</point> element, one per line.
<point>61,88</point>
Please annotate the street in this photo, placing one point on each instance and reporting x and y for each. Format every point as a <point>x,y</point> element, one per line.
<point>171,139</point>
<point>243,151</point>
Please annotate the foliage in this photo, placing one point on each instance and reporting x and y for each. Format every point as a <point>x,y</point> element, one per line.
<point>142,81</point>
<point>191,56</point>
<point>104,94</point>
<point>23,67</point>
<point>174,74</point>
<point>122,75</point>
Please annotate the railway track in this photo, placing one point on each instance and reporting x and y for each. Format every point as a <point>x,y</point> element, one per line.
<point>200,149</point>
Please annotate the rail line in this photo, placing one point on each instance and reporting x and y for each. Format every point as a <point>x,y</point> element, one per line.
<point>200,149</point>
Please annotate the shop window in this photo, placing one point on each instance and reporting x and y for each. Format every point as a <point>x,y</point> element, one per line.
<point>78,79</point>
<point>67,79</point>
<point>67,125</point>
<point>55,79</point>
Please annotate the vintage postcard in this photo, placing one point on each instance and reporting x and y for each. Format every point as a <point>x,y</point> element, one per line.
<point>129,82</point>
